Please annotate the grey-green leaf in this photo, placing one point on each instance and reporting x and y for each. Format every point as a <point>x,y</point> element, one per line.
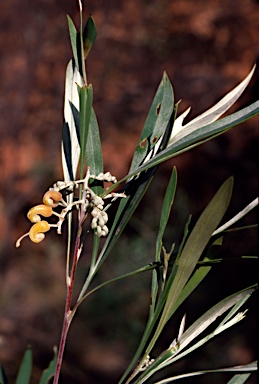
<point>156,123</point>
<point>198,137</point>
<point>212,114</point>
<point>195,245</point>
<point>212,314</point>
<point>241,368</point>
<point>239,379</point>
<point>73,39</point>
<point>89,35</point>
<point>94,158</point>
<point>70,135</point>
<point>166,209</point>
<point>197,276</point>
<point>49,372</point>
<point>85,108</point>
<point>25,369</point>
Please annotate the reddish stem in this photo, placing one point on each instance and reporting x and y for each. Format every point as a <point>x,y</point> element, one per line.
<point>67,317</point>
<point>70,284</point>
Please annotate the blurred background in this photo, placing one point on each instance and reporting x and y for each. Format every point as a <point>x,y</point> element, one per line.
<point>206,48</point>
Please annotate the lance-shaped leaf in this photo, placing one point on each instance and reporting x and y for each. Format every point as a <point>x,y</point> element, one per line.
<point>89,35</point>
<point>25,368</point>
<point>73,39</point>
<point>199,274</point>
<point>197,137</point>
<point>78,99</point>
<point>237,379</point>
<point>70,136</point>
<point>94,158</point>
<point>211,115</point>
<point>192,251</point>
<point>166,209</point>
<point>81,41</point>
<point>236,301</point>
<point>85,108</point>
<point>156,123</point>
<point>238,216</point>
<point>172,353</point>
<point>156,129</point>
<point>49,372</point>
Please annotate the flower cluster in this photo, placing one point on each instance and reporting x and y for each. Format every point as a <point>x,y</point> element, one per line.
<point>99,220</point>
<point>90,203</point>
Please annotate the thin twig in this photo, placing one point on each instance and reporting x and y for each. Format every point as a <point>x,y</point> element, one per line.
<point>67,318</point>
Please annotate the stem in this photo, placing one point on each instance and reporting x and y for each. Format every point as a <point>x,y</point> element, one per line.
<point>67,318</point>
<point>70,279</point>
<point>62,344</point>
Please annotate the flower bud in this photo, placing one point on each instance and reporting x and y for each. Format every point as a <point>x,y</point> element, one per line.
<point>35,212</point>
<point>52,198</point>
<point>36,233</point>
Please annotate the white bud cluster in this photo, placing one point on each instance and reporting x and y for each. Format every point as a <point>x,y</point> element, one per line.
<point>58,185</point>
<point>106,177</point>
<point>97,201</point>
<point>90,201</point>
<point>99,220</point>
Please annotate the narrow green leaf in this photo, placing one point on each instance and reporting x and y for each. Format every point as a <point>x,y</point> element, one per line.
<point>216,127</point>
<point>166,210</point>
<point>146,268</point>
<point>239,379</point>
<point>208,131</point>
<point>25,369</point>
<point>232,312</point>
<point>154,293</point>
<point>195,245</point>
<point>49,372</point>
<point>197,242</point>
<point>223,195</point>
<point>171,355</point>
<point>89,35</point>
<point>73,39</point>
<point>198,275</point>
<point>80,45</point>
<point>210,115</point>
<point>94,160</point>
<point>163,112</point>
<point>153,317</point>
<point>70,135</point>
<point>94,157</point>
<point>156,123</point>
<point>209,317</point>
<point>240,368</point>
<point>85,102</point>
<point>134,189</point>
<point>238,216</point>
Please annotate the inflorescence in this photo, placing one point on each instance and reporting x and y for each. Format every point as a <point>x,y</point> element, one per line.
<point>90,202</point>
